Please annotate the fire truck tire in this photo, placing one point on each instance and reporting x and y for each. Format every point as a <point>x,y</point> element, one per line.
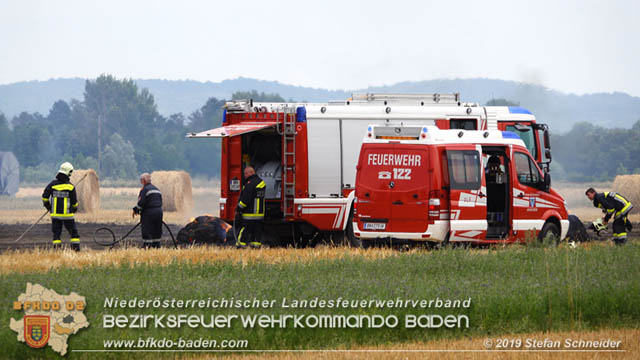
<point>550,230</point>
<point>352,239</point>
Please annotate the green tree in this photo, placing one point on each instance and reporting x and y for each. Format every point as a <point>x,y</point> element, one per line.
<point>119,107</point>
<point>118,159</point>
<point>209,116</point>
<point>6,135</point>
<point>33,143</point>
<point>60,123</point>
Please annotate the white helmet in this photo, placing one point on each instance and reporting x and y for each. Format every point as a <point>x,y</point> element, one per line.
<point>66,168</point>
<point>599,225</point>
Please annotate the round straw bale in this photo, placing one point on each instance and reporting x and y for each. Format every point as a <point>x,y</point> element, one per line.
<point>175,187</point>
<point>629,187</point>
<point>88,190</point>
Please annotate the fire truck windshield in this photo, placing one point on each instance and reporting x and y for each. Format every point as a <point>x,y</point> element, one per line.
<point>527,135</point>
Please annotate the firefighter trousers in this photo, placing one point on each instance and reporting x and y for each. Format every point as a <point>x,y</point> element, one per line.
<point>250,233</point>
<point>70,225</point>
<point>151,227</point>
<point>620,230</point>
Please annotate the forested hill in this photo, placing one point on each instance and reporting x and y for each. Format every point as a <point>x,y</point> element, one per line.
<point>558,109</point>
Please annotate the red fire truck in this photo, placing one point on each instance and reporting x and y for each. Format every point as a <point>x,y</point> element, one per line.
<point>427,184</point>
<point>307,153</point>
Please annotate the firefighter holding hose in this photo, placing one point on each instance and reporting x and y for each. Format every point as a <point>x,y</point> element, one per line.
<point>250,210</point>
<point>149,208</point>
<point>615,205</point>
<point>61,200</point>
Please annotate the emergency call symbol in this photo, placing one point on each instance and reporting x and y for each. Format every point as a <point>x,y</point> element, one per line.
<point>384,175</point>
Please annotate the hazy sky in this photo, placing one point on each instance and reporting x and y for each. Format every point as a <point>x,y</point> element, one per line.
<point>571,46</point>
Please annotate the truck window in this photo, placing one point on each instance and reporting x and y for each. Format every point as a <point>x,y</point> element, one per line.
<point>527,136</point>
<point>464,124</point>
<point>464,169</point>
<point>528,173</point>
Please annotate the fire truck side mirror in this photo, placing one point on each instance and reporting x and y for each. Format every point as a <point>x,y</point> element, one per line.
<point>547,154</point>
<point>547,140</point>
<point>547,180</point>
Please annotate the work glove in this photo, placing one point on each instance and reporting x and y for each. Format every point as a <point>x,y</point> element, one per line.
<point>74,209</point>
<point>136,210</point>
<point>47,206</point>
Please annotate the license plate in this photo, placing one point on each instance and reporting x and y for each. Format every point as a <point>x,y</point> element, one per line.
<point>375,226</point>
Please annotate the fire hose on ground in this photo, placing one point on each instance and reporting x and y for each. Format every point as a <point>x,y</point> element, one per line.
<point>105,236</point>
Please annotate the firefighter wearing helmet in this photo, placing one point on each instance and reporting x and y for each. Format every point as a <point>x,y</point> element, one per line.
<point>60,199</point>
<point>250,210</point>
<point>494,173</point>
<point>615,205</point>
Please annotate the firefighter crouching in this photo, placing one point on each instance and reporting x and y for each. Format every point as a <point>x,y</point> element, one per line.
<point>250,210</point>
<point>614,205</point>
<point>149,208</point>
<point>59,197</point>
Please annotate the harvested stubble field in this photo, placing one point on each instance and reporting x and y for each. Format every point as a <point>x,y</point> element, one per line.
<point>590,291</point>
<point>115,206</point>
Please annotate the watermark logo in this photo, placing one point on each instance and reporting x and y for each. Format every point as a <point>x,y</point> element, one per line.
<point>50,318</point>
<point>36,330</point>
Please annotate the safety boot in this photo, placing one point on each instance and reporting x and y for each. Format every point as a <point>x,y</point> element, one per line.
<point>255,245</point>
<point>155,244</point>
<point>57,245</point>
<point>75,246</point>
<point>241,245</point>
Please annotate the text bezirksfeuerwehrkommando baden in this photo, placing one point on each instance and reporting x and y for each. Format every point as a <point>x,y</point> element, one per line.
<point>284,303</point>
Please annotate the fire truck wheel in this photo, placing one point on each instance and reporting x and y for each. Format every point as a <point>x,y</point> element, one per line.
<point>550,234</point>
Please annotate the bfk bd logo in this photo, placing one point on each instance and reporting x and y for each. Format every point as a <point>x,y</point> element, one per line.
<point>49,318</point>
<point>36,330</point>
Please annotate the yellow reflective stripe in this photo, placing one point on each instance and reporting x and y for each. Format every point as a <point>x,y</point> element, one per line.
<point>57,241</point>
<point>240,236</point>
<point>62,187</point>
<point>610,211</point>
<point>253,215</point>
<point>75,205</point>
<point>75,240</point>
<point>45,199</point>
<point>626,207</point>
<point>621,198</point>
<point>620,234</point>
<point>242,204</point>
<point>55,205</point>
<point>65,209</point>
<point>56,216</point>
<point>261,185</point>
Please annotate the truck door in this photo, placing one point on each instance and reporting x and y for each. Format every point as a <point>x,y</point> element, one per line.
<point>374,183</point>
<point>410,193</point>
<point>528,200</point>
<point>467,193</point>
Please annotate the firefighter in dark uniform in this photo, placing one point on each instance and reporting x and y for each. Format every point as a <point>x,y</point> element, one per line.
<point>59,197</point>
<point>149,208</point>
<point>250,209</point>
<point>615,205</point>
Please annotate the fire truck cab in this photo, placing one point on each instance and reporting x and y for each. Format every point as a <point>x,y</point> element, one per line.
<point>427,184</point>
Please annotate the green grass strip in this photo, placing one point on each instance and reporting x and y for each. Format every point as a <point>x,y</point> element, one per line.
<point>512,290</point>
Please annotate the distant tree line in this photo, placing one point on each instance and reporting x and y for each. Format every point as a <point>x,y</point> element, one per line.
<point>122,121</point>
<point>116,129</point>
<point>592,153</point>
